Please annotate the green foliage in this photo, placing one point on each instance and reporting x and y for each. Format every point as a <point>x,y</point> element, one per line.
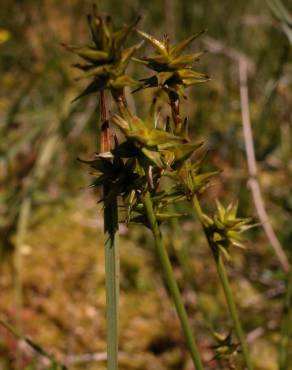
<point>283,15</point>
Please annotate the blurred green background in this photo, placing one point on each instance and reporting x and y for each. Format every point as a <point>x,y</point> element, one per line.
<point>41,136</point>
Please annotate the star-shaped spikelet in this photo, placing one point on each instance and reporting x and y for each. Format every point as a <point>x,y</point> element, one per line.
<point>106,59</point>
<point>225,229</point>
<point>174,69</point>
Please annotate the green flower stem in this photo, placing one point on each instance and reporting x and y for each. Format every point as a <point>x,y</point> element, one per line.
<point>233,311</point>
<point>112,282</point>
<point>112,258</point>
<point>286,327</point>
<point>226,288</point>
<point>174,103</point>
<point>171,282</point>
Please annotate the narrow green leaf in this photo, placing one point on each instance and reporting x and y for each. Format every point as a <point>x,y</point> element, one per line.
<point>157,45</point>
<point>183,152</point>
<point>154,157</point>
<point>123,81</point>
<point>119,37</point>
<point>120,122</point>
<point>93,87</point>
<point>89,54</point>
<point>99,71</point>
<point>184,60</point>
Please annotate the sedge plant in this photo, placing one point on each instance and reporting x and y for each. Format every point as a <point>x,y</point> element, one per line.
<point>148,168</point>
<point>173,73</point>
<point>106,62</point>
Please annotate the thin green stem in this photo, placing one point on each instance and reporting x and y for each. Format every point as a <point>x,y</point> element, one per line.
<point>286,327</point>
<point>112,282</point>
<point>175,105</point>
<point>226,288</point>
<point>112,257</point>
<point>233,311</point>
<point>171,282</point>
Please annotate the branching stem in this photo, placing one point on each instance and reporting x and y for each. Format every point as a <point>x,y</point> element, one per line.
<point>218,259</point>
<point>171,282</point>
<point>226,288</point>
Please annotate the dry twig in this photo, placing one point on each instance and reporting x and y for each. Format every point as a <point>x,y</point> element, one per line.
<point>252,168</point>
